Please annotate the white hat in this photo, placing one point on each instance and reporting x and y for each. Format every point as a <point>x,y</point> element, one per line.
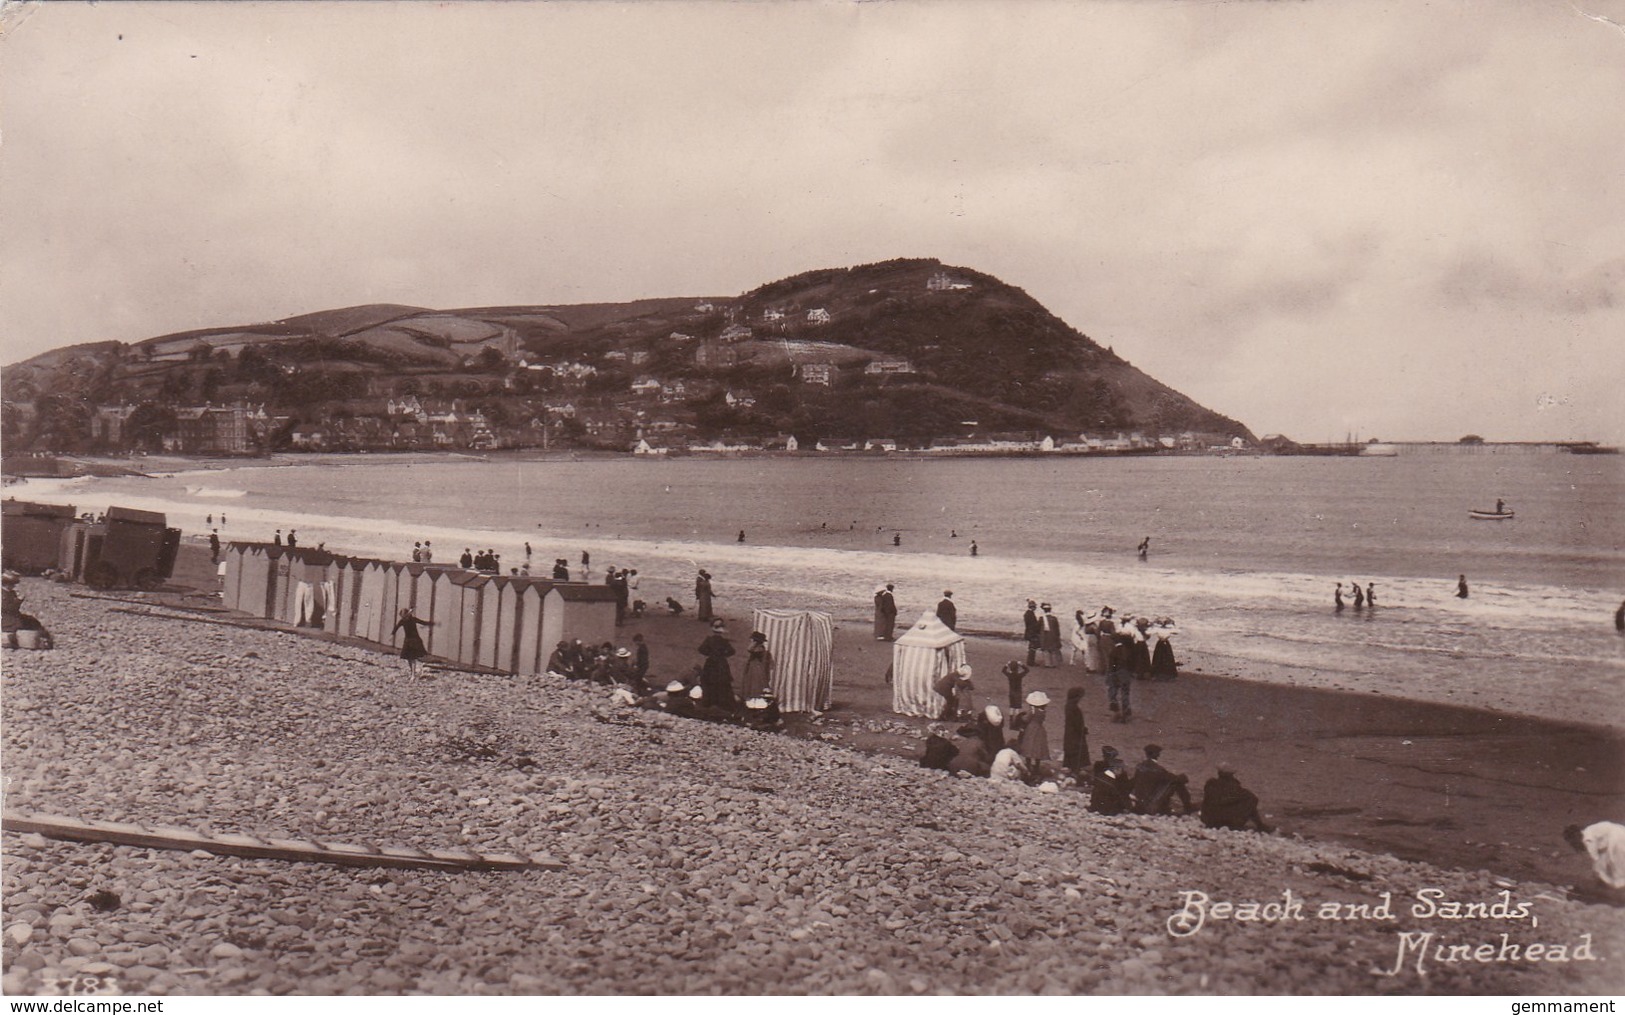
<point>993,714</point>
<point>1037,698</point>
<point>675,687</point>
<point>623,653</point>
<point>696,692</point>
<point>756,703</point>
<point>964,671</point>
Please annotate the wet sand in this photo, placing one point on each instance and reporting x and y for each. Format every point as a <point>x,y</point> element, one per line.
<point>1456,787</point>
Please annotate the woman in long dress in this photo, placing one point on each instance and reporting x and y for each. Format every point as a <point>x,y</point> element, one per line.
<point>1163,666</point>
<point>716,678</point>
<point>1085,642</point>
<point>411,642</point>
<point>757,675</point>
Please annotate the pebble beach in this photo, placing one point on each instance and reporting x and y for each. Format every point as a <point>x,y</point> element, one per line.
<point>698,859</point>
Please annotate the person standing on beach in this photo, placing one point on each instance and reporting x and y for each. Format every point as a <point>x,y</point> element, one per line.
<point>1163,665</point>
<point>1032,741</point>
<point>293,538</point>
<point>1120,677</point>
<point>1014,674</point>
<point>466,561</point>
<point>209,521</point>
<point>1461,587</point>
<point>1032,631</point>
<point>428,552</point>
<point>741,538</point>
<point>973,548</point>
<point>640,663</point>
<point>411,642</point>
<point>277,539</point>
<point>214,546</point>
<point>703,594</point>
<point>757,674</point>
<point>716,678</point>
<point>1050,639</point>
<point>1074,733</point>
<point>885,612</point>
<point>586,563</point>
<point>1082,638</point>
<point>946,612</point>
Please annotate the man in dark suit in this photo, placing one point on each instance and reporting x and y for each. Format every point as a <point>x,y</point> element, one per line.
<point>946,611</point>
<point>1033,631</point>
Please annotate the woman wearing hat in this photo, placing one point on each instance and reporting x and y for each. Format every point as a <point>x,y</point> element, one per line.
<point>1163,666</point>
<point>716,679</point>
<point>1033,743</point>
<point>411,642</point>
<point>757,675</point>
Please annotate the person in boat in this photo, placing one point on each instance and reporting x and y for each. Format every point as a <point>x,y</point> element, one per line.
<point>1337,598</point>
<point>1500,506</point>
<point>1461,587</point>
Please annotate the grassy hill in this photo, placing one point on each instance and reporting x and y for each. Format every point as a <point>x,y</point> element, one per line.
<point>947,345</point>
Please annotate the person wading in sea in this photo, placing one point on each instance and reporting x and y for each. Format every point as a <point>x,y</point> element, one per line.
<point>1461,587</point>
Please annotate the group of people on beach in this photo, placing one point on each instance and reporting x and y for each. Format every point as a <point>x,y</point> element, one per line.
<point>1018,751</point>
<point>711,690</point>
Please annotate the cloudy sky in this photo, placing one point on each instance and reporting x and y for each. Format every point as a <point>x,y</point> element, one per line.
<point>1401,219</point>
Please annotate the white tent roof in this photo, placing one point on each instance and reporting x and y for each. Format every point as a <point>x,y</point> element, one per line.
<point>929,632</point>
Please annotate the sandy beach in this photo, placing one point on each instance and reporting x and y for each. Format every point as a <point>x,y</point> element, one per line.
<point>703,858</point>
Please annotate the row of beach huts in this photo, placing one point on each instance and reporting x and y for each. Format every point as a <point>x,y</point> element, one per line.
<point>498,622</point>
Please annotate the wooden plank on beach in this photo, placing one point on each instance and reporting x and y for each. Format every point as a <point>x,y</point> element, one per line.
<point>56,826</point>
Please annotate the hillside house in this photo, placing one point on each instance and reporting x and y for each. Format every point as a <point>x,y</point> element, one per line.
<point>880,444</point>
<point>638,357</point>
<point>643,447</point>
<point>560,410</point>
<point>108,423</point>
<point>888,367</point>
<point>942,282</point>
<point>309,437</point>
<point>674,390</point>
<point>715,355</point>
<point>739,399</point>
<point>209,430</point>
<point>703,308</point>
<point>735,333</point>
<point>615,356</point>
<point>679,338</point>
<point>823,374</point>
<point>818,315</point>
<point>772,314</point>
<point>646,387</point>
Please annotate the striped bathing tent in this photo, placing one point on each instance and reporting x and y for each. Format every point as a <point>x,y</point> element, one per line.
<point>920,655</point>
<point>803,647</point>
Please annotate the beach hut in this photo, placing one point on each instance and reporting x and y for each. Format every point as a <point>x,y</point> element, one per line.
<point>313,588</point>
<point>920,655</point>
<point>572,611</point>
<point>447,613</point>
<point>375,577</point>
<point>431,582</point>
<point>803,646</point>
<point>232,586</point>
<point>34,535</point>
<point>341,597</point>
<point>491,623</point>
<point>533,652</point>
<point>511,625</point>
<point>472,620</point>
<point>389,599</point>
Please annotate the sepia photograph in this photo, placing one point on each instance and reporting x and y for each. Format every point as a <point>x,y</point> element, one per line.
<point>929,498</point>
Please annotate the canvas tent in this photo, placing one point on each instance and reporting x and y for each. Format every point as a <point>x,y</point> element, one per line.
<point>920,655</point>
<point>802,643</point>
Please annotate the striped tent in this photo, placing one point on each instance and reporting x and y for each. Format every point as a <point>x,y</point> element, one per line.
<point>920,655</point>
<point>803,647</point>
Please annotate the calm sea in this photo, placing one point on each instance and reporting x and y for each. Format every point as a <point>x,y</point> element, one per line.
<point>1244,551</point>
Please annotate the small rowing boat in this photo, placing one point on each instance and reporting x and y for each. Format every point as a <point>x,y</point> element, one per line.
<point>1489,516</point>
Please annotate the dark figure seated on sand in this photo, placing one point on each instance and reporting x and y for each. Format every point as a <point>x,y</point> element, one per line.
<point>1154,787</point>
<point>1227,804</point>
<point>1109,782</point>
<point>762,713</point>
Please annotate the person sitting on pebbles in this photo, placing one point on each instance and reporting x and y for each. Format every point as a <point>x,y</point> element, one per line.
<point>1109,784</point>
<point>762,713</point>
<point>988,728</point>
<point>13,617</point>
<point>1604,842</point>
<point>1227,804</point>
<point>1008,766</point>
<point>1154,787</point>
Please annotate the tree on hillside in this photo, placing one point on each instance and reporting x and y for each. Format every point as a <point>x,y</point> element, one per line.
<point>147,424</point>
<point>62,423</point>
